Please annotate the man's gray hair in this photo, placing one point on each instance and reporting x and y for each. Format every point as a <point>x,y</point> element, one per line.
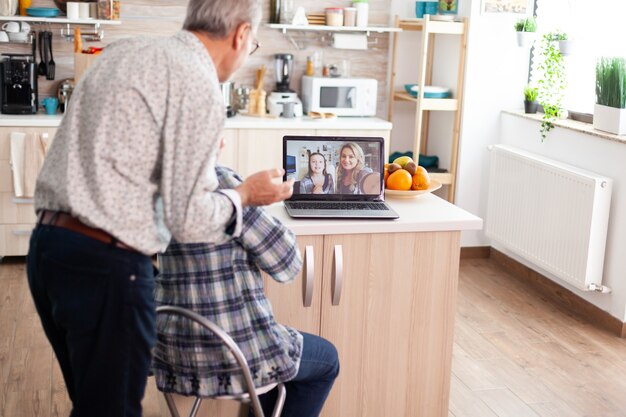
<point>217,18</point>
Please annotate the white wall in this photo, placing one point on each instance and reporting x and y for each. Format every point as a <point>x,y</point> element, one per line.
<point>595,154</point>
<point>496,72</point>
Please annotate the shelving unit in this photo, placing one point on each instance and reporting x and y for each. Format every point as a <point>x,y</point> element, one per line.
<point>423,106</point>
<point>284,28</point>
<point>60,20</point>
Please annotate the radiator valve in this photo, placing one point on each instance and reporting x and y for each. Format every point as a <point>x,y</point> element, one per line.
<point>599,288</point>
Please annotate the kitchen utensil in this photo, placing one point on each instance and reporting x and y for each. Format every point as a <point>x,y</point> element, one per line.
<point>44,46</point>
<point>51,104</point>
<point>227,95</point>
<point>73,10</point>
<point>284,68</point>
<point>51,63</point>
<point>41,70</point>
<point>3,36</point>
<point>42,12</point>
<point>11,27</point>
<point>78,41</point>
<point>429,91</point>
<point>241,99</point>
<point>64,93</point>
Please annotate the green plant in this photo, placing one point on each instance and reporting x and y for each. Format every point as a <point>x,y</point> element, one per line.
<point>557,36</point>
<point>530,93</point>
<point>552,83</point>
<point>526,25</point>
<point>611,82</point>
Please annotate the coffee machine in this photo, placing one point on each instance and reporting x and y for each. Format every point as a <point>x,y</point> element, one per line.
<point>283,94</point>
<point>18,84</point>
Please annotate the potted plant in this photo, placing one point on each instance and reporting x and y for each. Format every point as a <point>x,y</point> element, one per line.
<point>609,113</point>
<point>526,30</point>
<point>552,83</point>
<point>567,46</point>
<point>530,99</point>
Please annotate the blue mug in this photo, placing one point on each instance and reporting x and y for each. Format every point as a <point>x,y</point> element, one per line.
<point>431,7</point>
<point>51,104</point>
<point>420,7</point>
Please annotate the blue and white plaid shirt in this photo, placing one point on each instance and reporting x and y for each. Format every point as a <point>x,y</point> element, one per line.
<point>223,283</point>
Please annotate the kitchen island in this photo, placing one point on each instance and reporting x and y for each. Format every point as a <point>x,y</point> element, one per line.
<point>384,293</point>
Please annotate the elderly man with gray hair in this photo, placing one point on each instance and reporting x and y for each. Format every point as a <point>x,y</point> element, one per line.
<point>132,165</point>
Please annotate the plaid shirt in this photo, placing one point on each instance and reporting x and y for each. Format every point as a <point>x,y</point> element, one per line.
<point>223,283</point>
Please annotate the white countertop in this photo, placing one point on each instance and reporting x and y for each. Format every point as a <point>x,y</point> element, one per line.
<point>348,123</point>
<point>426,213</point>
<point>237,122</point>
<point>30,120</point>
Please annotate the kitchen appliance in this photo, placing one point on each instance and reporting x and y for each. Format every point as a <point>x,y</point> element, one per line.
<point>64,93</point>
<point>341,96</point>
<point>227,94</point>
<point>18,84</point>
<point>283,94</point>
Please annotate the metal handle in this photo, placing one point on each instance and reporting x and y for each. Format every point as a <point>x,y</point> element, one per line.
<point>22,232</point>
<point>337,275</point>
<point>309,275</point>
<point>22,200</point>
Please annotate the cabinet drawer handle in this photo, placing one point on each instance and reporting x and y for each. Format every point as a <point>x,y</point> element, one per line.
<point>309,275</point>
<point>337,275</point>
<point>22,200</point>
<point>22,232</point>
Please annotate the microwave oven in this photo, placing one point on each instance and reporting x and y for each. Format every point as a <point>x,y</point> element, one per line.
<point>342,96</point>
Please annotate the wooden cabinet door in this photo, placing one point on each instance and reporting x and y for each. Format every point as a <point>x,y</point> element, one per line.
<point>263,149</point>
<point>228,155</point>
<point>390,313</point>
<point>297,304</point>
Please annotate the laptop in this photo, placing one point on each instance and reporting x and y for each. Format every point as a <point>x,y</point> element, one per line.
<point>336,177</point>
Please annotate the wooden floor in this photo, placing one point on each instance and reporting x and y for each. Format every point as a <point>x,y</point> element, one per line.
<point>515,355</point>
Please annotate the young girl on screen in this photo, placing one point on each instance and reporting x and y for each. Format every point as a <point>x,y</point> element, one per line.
<point>317,180</point>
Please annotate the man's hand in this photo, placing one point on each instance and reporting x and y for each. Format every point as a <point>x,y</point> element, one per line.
<point>259,189</point>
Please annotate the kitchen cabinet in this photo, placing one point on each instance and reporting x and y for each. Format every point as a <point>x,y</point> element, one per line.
<point>423,106</point>
<point>387,302</point>
<point>17,215</point>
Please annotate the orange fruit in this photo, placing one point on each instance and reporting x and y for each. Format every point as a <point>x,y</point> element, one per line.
<point>421,179</point>
<point>386,172</point>
<point>399,180</point>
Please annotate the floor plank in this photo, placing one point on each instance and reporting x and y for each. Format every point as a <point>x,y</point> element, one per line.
<point>515,354</point>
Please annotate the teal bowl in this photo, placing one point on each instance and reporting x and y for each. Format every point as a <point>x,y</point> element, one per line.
<point>429,91</point>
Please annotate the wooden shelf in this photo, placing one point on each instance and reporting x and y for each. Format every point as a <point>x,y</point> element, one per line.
<point>434,26</point>
<point>320,28</point>
<point>60,20</point>
<point>436,104</point>
<point>445,178</point>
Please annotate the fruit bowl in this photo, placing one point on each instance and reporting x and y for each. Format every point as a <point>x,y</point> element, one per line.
<point>434,185</point>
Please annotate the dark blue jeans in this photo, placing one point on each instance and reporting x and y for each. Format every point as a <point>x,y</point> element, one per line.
<point>308,390</point>
<point>97,309</point>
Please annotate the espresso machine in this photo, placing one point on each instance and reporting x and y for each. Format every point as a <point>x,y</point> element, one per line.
<point>283,94</point>
<point>18,84</point>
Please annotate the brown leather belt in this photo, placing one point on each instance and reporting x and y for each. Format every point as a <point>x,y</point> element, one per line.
<point>64,220</point>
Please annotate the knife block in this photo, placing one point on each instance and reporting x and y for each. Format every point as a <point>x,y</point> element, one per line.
<point>82,62</point>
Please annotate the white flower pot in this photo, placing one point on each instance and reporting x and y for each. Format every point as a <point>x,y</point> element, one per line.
<point>525,39</point>
<point>567,47</point>
<point>609,119</point>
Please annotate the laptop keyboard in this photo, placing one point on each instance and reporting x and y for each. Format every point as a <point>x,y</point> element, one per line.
<point>337,205</point>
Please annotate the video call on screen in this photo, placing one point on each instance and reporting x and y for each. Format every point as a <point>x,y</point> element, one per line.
<point>334,167</point>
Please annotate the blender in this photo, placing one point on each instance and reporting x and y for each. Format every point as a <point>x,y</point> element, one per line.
<point>283,94</point>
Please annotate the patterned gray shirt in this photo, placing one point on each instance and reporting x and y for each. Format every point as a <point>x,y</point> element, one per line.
<point>135,154</point>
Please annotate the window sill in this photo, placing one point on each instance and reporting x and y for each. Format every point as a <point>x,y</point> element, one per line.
<point>571,125</point>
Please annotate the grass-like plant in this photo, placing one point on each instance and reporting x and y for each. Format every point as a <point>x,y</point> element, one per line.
<point>526,25</point>
<point>611,82</point>
<point>530,93</point>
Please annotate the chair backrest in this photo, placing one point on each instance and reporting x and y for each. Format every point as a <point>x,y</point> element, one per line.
<point>162,347</point>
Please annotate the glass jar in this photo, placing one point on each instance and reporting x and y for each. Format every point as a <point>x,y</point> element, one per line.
<point>109,9</point>
<point>310,68</point>
<point>334,16</point>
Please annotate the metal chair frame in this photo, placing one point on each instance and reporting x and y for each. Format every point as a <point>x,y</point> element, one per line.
<point>251,397</point>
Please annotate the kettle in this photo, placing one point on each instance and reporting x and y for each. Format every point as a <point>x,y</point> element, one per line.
<point>64,92</point>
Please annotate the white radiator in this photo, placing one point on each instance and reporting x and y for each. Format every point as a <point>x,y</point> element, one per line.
<point>552,214</point>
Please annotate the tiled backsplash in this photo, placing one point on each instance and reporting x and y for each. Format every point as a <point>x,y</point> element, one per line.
<point>165,17</point>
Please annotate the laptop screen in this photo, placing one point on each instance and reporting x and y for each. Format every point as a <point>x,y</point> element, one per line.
<point>334,168</point>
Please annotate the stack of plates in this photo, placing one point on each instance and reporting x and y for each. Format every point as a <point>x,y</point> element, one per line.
<point>429,91</point>
<point>19,36</point>
<point>316,18</point>
<point>42,11</point>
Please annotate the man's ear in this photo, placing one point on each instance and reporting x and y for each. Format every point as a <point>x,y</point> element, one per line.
<point>239,40</point>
